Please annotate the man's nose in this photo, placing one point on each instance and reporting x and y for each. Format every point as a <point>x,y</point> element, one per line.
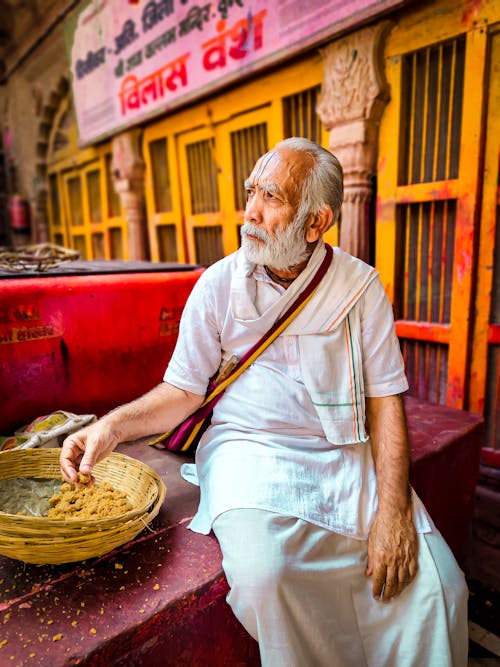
<point>253,208</point>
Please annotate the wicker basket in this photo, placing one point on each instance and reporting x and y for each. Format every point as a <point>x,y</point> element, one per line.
<point>41,540</point>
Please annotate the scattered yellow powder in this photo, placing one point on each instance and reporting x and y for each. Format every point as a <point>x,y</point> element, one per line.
<point>156,587</point>
<point>57,637</point>
<point>93,631</point>
<point>2,643</point>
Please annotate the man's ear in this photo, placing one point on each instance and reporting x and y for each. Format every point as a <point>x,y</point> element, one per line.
<point>318,224</point>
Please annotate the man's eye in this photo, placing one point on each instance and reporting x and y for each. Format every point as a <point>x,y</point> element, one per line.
<point>249,193</point>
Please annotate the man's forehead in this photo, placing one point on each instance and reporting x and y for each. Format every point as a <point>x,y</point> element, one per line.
<point>281,169</point>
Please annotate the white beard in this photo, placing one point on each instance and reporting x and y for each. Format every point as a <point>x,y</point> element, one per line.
<point>282,251</point>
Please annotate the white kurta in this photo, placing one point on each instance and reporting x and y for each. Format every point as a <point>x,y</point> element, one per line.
<point>266,448</point>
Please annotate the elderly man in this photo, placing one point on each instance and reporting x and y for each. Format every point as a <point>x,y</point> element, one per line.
<point>330,557</point>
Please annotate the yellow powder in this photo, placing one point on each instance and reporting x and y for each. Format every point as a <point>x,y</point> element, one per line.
<point>91,501</point>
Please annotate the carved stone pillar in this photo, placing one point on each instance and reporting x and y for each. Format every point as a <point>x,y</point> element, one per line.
<point>353,96</point>
<point>128,179</point>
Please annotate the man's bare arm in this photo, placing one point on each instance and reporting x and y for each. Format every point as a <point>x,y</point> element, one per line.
<point>392,542</point>
<point>158,411</point>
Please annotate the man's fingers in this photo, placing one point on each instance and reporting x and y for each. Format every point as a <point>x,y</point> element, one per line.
<point>71,454</point>
<point>407,575</point>
<point>379,575</point>
<point>391,584</point>
<point>88,461</point>
<point>389,581</point>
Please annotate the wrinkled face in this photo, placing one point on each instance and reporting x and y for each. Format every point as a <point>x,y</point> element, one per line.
<point>272,234</point>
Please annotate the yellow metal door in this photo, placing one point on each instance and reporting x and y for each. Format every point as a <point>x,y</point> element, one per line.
<point>163,199</point>
<point>429,193</point>
<point>58,224</point>
<point>94,189</point>
<point>84,211</point>
<point>200,194</point>
<point>214,163</point>
<point>73,203</point>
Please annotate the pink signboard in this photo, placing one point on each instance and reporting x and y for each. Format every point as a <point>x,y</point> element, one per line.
<point>132,60</point>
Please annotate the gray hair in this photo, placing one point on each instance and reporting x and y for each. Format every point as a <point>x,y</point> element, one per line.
<point>324,183</point>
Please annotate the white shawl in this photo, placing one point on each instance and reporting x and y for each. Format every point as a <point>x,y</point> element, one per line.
<point>329,335</point>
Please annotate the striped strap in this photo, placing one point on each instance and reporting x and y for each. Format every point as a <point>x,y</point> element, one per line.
<point>247,359</point>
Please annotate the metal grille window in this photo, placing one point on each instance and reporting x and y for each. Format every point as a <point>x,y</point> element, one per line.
<point>208,243</point>
<point>247,145</point>
<point>98,246</point>
<point>115,243</point>
<point>427,369</point>
<point>432,97</point>
<point>113,198</point>
<point>75,201</point>
<point>167,245</point>
<point>161,175</point>
<point>431,220</point>
<point>202,170</point>
<point>426,241</point>
<point>94,195</point>
<point>80,244</point>
<point>299,115</point>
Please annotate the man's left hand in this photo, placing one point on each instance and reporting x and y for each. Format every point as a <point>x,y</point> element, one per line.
<point>392,553</point>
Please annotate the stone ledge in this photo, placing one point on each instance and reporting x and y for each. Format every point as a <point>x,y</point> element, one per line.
<point>160,600</point>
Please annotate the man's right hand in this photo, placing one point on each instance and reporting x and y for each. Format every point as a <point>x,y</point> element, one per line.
<point>158,411</point>
<point>83,449</point>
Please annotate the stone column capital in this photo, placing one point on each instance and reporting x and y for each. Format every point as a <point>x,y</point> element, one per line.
<point>354,85</point>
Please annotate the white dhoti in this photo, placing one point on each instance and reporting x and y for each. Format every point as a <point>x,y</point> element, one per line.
<point>302,593</point>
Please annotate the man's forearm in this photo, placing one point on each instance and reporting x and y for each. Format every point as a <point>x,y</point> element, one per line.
<point>392,542</point>
<point>158,411</point>
<point>389,441</point>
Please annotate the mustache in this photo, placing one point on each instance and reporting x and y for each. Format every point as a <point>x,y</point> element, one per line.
<point>255,230</point>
